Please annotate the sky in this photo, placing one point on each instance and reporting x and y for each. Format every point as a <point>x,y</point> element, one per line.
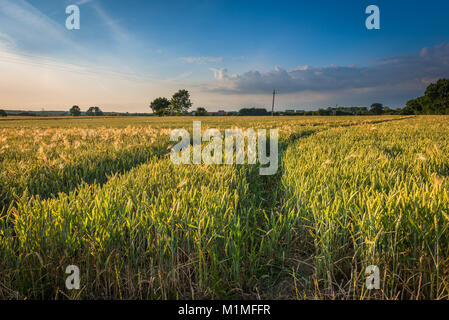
<point>228,54</point>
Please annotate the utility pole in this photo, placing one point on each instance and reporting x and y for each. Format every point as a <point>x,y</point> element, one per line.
<point>272,106</point>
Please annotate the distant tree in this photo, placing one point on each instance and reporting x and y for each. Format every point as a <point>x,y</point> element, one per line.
<point>434,101</point>
<point>323,112</point>
<point>75,111</point>
<point>252,112</point>
<point>377,108</point>
<point>361,111</point>
<point>439,90</point>
<point>90,112</point>
<point>343,112</point>
<point>415,106</point>
<point>387,110</point>
<point>180,102</point>
<point>437,97</point>
<point>160,106</point>
<point>98,112</point>
<point>201,111</point>
<point>3,113</point>
<point>27,114</point>
<point>94,111</point>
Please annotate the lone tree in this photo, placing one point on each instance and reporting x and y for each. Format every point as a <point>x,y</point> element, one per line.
<point>180,102</point>
<point>75,111</point>
<point>377,108</point>
<point>90,112</point>
<point>94,111</point>
<point>98,111</point>
<point>160,106</point>
<point>3,113</point>
<point>201,111</point>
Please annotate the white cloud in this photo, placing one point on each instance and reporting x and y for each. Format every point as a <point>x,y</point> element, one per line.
<point>202,60</point>
<point>408,71</point>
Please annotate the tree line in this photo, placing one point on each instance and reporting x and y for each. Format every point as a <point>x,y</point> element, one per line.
<point>434,101</point>
<point>376,109</point>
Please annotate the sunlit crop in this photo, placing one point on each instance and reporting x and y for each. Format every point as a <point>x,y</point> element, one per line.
<point>103,195</point>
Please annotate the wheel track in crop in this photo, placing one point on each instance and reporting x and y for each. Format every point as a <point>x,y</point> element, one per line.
<point>272,184</point>
<point>273,195</point>
<point>85,173</point>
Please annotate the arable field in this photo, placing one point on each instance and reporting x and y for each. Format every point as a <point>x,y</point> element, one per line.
<point>103,194</point>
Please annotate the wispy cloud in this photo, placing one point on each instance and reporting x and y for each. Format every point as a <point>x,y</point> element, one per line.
<point>81,2</point>
<point>202,60</point>
<point>117,32</point>
<point>6,40</point>
<point>32,81</point>
<point>180,77</point>
<point>22,20</point>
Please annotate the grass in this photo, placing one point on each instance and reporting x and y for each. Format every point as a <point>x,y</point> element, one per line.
<point>350,192</point>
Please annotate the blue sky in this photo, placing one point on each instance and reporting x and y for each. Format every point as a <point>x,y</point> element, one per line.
<point>228,54</point>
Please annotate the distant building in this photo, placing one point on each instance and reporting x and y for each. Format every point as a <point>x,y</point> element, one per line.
<point>220,113</point>
<point>299,111</point>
